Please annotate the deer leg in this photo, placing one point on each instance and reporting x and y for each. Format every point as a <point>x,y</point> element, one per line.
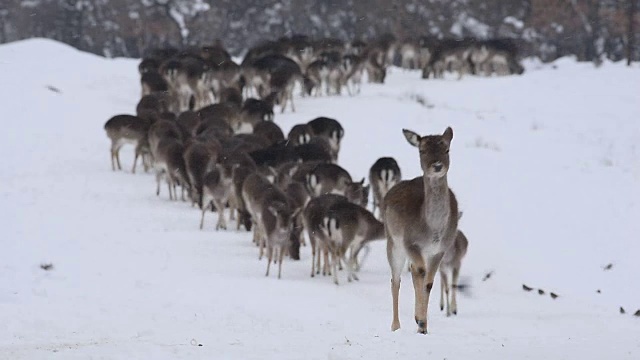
<point>222,224</point>
<point>397,259</point>
<point>280,256</point>
<point>444,291</point>
<point>454,287</point>
<point>174,185</point>
<point>204,210</point>
<point>158,180</point>
<point>336,260</point>
<point>233,205</point>
<point>441,290</point>
<point>118,158</point>
<point>135,160</point>
<point>433,263</point>
<point>169,187</point>
<point>350,266</point>
<point>313,254</point>
<point>270,256</point>
<point>418,273</point>
<point>326,269</point>
<point>262,238</point>
<point>146,162</point>
<point>320,251</point>
<point>293,107</point>
<point>113,158</point>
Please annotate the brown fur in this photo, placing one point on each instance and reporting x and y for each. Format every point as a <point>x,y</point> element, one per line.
<point>123,129</point>
<point>383,175</point>
<point>349,226</point>
<point>272,214</point>
<point>421,222</point>
<point>451,263</point>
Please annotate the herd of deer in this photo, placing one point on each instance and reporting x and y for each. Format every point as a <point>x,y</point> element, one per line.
<point>200,131</point>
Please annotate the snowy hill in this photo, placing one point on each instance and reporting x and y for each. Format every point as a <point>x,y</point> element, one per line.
<point>546,167</point>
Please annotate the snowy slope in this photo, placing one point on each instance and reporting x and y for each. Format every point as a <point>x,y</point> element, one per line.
<point>546,167</point>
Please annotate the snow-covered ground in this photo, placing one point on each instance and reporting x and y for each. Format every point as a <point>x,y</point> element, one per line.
<point>546,167</point>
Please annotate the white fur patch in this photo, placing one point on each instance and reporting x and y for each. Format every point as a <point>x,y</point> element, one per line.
<point>244,128</point>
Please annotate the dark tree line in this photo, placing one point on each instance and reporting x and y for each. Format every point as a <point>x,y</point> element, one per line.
<point>588,29</point>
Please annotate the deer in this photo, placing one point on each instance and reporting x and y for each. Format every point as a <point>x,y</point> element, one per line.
<point>312,219</point>
<point>330,129</point>
<point>328,178</point>
<point>128,129</point>
<point>216,192</point>
<point>270,131</point>
<point>300,134</point>
<point>316,75</point>
<point>199,157</point>
<point>169,164</point>
<point>451,262</point>
<point>383,175</point>
<point>252,113</point>
<point>273,217</point>
<point>349,226</point>
<point>151,82</point>
<point>352,70</point>
<point>421,222</point>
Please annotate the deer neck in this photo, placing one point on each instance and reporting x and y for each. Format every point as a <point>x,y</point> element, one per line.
<point>375,231</point>
<point>436,207</point>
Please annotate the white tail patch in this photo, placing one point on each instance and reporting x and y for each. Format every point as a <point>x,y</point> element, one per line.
<point>271,178</point>
<point>383,175</point>
<point>332,228</point>
<point>244,128</point>
<point>390,175</point>
<point>312,180</point>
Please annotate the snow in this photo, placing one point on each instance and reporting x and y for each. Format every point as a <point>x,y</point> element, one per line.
<point>518,24</point>
<point>545,167</point>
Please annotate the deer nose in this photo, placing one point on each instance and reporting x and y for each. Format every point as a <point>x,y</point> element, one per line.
<point>438,166</point>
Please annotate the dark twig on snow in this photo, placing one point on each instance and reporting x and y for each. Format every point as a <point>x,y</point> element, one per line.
<point>54,89</point>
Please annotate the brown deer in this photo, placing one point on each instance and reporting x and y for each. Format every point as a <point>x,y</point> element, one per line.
<point>216,192</point>
<point>128,129</point>
<point>349,226</point>
<point>451,263</point>
<point>383,175</point>
<point>312,219</point>
<point>421,222</point>
<point>272,214</point>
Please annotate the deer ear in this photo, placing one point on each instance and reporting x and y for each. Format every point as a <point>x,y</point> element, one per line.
<point>361,182</point>
<point>448,135</point>
<point>412,138</point>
